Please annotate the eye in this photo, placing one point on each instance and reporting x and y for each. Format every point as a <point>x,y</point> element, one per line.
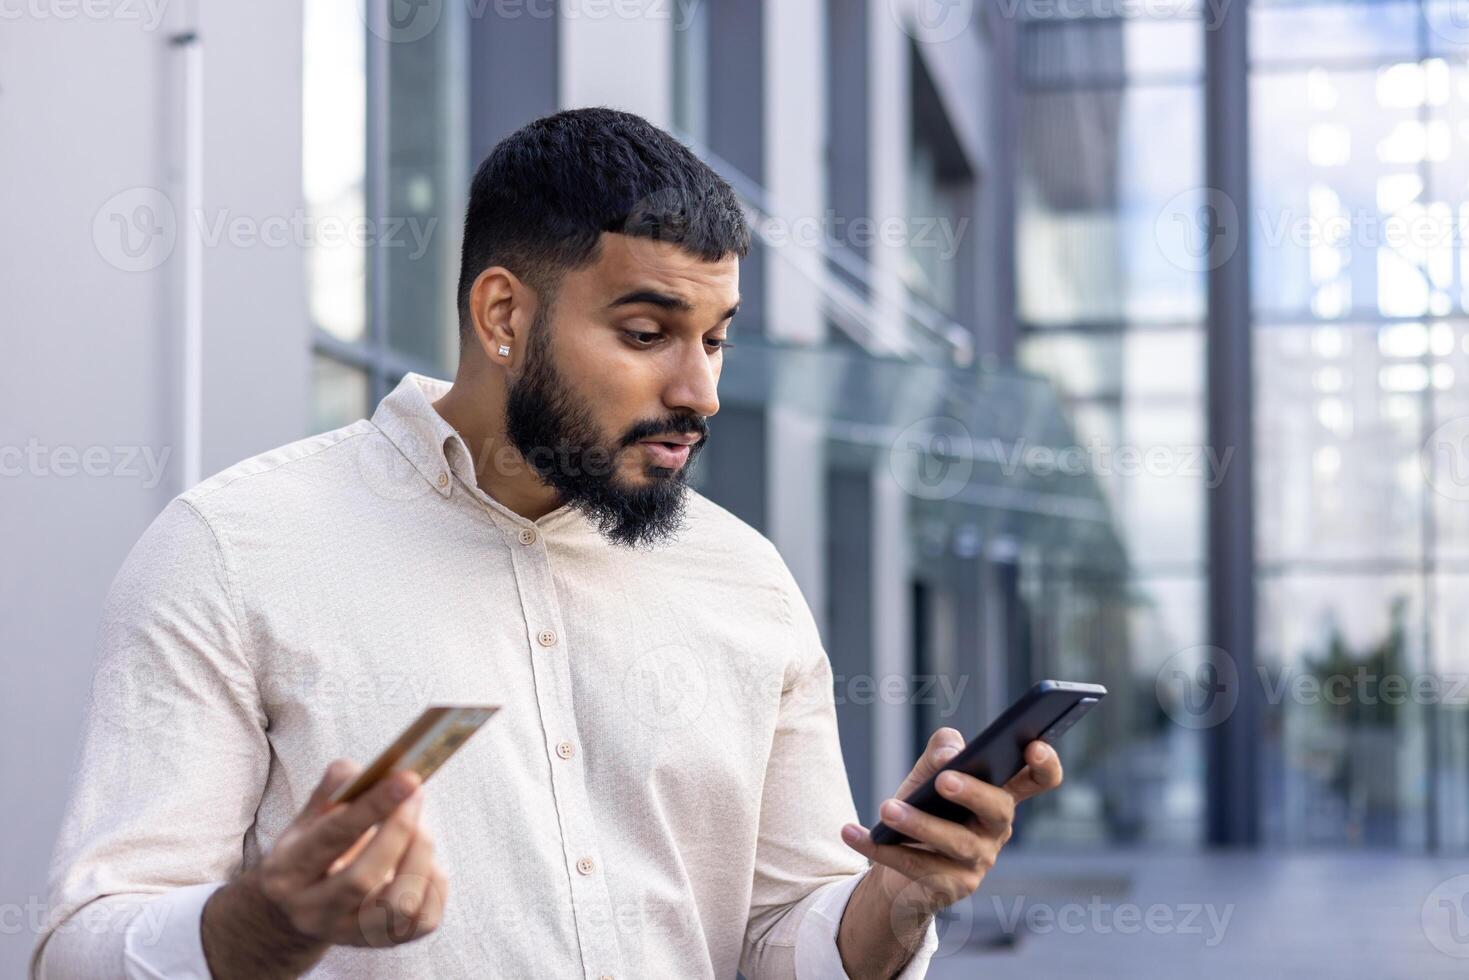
<point>718,343</point>
<point>642,338</point>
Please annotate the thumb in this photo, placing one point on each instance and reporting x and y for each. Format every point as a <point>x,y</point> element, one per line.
<point>943,745</point>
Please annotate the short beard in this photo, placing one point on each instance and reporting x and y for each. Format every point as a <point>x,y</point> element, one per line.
<point>554,430</point>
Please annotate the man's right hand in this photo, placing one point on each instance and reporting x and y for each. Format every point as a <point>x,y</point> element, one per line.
<point>355,874</point>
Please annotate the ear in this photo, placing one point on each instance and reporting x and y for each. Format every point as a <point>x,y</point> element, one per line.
<point>501,310</point>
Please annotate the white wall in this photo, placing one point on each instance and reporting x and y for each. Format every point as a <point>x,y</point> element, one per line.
<point>623,62</point>
<point>88,110</point>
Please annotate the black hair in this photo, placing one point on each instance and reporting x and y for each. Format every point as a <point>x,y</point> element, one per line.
<point>541,199</point>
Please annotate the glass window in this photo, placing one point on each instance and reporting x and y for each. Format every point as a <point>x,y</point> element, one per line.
<point>426,148</point>
<point>340,394</point>
<point>1344,733</point>
<point>1339,426</point>
<point>334,147</point>
<point>1294,31</point>
<point>1338,198</point>
<point>1099,170</point>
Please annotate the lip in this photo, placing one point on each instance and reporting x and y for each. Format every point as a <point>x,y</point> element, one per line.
<point>682,438</point>
<point>668,456</point>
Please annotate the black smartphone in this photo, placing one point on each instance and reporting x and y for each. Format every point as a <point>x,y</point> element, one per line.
<point>996,754</point>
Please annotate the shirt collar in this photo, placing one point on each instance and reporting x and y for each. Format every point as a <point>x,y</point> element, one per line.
<point>427,440</point>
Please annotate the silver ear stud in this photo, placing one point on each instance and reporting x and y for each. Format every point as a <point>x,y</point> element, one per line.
<point>504,351</point>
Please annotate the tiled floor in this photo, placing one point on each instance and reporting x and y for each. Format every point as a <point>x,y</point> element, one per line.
<point>1256,916</point>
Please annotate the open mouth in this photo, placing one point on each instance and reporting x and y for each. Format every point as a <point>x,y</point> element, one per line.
<point>670,455</point>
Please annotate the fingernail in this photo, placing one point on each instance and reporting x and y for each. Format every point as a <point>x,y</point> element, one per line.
<point>894,810</point>
<point>950,782</point>
<point>851,833</point>
<point>947,752</point>
<point>402,789</point>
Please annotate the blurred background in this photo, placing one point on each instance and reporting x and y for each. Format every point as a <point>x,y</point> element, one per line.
<point>1108,340</point>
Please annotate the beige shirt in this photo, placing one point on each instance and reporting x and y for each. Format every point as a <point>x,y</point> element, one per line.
<point>660,795</point>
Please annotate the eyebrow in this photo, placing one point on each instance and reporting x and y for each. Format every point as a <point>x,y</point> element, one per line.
<point>663,301</point>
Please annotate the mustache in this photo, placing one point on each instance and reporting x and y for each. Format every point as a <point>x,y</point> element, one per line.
<point>677,425</point>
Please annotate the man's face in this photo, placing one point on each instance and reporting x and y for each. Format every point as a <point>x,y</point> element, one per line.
<point>612,402</point>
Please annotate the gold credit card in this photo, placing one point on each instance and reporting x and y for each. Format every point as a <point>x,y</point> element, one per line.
<point>423,747</point>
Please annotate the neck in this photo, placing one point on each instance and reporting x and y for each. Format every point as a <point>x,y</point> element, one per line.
<point>475,407</point>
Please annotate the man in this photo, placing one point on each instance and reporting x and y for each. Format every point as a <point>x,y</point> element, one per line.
<point>662,793</point>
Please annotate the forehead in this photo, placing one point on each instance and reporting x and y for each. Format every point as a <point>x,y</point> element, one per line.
<point>626,263</point>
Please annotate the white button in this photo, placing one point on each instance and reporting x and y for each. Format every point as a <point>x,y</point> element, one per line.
<point>586,866</point>
<point>565,749</point>
<point>547,638</point>
<point>527,536</point>
<point>443,479</point>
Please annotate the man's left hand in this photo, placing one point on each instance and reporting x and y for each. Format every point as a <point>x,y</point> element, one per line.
<point>949,859</point>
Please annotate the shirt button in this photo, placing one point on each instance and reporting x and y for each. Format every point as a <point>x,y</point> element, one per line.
<point>565,749</point>
<point>443,480</point>
<point>547,638</point>
<point>586,866</point>
<point>527,536</point>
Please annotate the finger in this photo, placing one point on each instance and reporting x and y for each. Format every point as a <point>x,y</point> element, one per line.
<point>1041,773</point>
<point>954,840</point>
<point>943,745</point>
<point>382,854</point>
<point>993,808</point>
<point>908,861</point>
<point>411,880</point>
<point>339,772</point>
<point>350,854</point>
<point>434,901</point>
<point>339,828</point>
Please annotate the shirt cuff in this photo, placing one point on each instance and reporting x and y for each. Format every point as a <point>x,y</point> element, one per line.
<point>817,955</point>
<point>163,942</point>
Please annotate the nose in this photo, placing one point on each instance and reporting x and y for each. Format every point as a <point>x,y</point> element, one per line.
<point>694,384</point>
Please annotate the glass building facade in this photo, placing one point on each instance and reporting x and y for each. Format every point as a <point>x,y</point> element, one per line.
<point>1004,467</point>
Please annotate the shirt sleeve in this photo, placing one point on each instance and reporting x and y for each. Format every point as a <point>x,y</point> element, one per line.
<point>170,771</point>
<point>804,873</point>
